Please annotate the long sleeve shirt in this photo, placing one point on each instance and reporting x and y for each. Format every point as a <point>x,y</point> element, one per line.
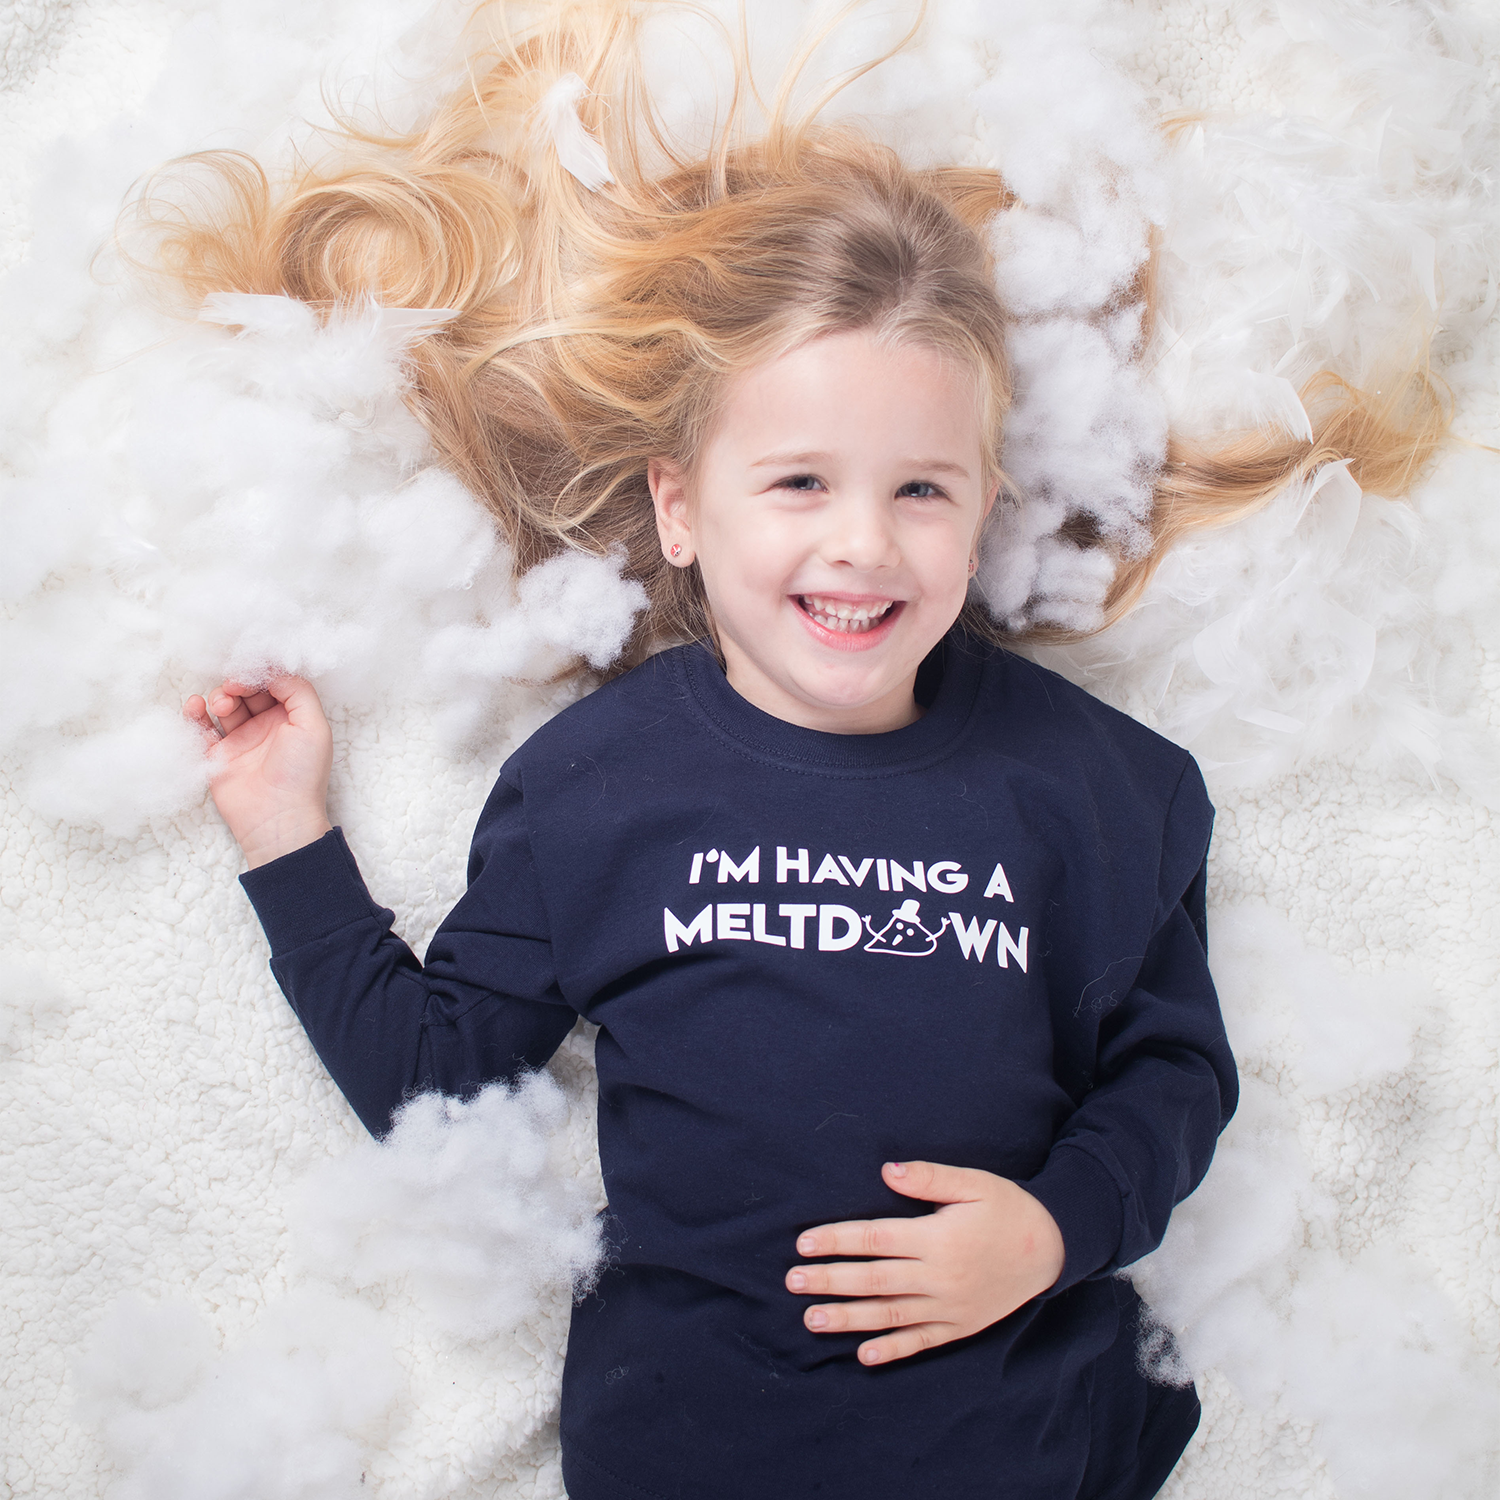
<point>976,940</point>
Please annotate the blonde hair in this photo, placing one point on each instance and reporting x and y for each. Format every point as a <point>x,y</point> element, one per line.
<point>596,330</point>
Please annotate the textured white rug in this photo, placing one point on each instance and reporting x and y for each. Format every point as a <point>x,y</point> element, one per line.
<point>213,1285</point>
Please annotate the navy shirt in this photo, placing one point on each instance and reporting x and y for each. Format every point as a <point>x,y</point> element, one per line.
<point>976,940</point>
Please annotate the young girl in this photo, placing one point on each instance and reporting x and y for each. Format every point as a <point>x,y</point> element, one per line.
<point>865,1213</point>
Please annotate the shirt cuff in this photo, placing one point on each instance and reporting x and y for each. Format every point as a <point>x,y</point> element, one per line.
<point>1082,1197</point>
<point>309,893</point>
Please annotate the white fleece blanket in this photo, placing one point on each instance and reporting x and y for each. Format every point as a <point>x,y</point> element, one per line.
<point>214,1286</point>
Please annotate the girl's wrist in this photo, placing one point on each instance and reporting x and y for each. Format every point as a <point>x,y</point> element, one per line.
<point>283,835</point>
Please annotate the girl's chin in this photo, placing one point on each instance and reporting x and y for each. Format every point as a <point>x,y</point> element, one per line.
<point>840,696</point>
<point>866,700</point>
<point>826,708</point>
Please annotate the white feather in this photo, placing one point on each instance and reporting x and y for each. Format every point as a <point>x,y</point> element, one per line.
<point>577,150</point>
<point>413,322</point>
<point>256,312</point>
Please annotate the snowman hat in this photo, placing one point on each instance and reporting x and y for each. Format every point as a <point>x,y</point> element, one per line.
<point>907,911</point>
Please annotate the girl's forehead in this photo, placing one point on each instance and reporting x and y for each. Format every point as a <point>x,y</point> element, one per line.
<point>850,387</point>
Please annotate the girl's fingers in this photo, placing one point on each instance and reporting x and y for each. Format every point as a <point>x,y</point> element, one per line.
<point>300,698</point>
<point>230,712</point>
<point>862,1317</point>
<point>195,711</point>
<point>935,1182</point>
<point>296,694</point>
<point>256,699</point>
<point>907,1341</point>
<point>862,1237</point>
<point>232,703</point>
<point>860,1278</point>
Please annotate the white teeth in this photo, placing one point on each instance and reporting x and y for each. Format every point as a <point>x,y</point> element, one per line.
<point>836,614</point>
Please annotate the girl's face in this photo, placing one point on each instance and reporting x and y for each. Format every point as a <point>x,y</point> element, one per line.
<point>833,512</point>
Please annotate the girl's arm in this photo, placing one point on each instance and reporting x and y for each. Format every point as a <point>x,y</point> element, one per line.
<point>484,1007</point>
<point>1164,1083</point>
<point>1141,1138</point>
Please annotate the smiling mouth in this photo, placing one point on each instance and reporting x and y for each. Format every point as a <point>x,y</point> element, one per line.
<point>842,617</point>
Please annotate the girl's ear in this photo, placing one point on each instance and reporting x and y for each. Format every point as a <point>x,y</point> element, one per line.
<point>669,495</point>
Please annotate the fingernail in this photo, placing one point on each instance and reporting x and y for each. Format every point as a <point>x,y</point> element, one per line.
<point>806,1245</point>
<point>869,1355</point>
<point>817,1319</point>
<point>896,1168</point>
<point>797,1281</point>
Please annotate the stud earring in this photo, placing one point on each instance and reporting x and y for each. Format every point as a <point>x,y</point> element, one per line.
<point>676,549</point>
<point>973,564</point>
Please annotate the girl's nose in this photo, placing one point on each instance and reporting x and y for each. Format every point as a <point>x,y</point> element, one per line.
<point>861,534</point>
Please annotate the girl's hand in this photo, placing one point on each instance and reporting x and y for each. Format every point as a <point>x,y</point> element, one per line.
<point>268,764</point>
<point>988,1249</point>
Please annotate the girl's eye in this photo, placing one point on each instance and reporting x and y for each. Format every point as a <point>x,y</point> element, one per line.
<point>804,482</point>
<point>919,489</point>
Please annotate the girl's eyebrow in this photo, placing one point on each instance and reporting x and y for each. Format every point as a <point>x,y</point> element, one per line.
<point>925,465</point>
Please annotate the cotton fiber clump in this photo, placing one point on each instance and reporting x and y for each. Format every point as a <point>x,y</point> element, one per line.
<point>1254,1278</point>
<point>148,766</point>
<point>463,1203</point>
<point>260,501</point>
<point>569,606</point>
<point>1084,437</point>
<point>468,1220</point>
<point>1087,431</point>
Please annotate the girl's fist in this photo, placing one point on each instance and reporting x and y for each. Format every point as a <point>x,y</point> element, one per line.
<point>269,757</point>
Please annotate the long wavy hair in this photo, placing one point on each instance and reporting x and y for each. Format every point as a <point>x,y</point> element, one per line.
<point>594,330</point>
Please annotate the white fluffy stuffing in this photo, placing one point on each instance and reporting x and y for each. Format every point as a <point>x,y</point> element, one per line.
<point>1256,1277</point>
<point>464,1202</point>
<point>462,1232</point>
<point>215,1286</point>
<point>1087,430</point>
<point>266,502</point>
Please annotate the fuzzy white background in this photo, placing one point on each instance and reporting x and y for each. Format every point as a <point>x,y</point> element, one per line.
<point>215,1288</point>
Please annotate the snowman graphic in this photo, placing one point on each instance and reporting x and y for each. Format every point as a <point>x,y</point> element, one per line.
<point>904,935</point>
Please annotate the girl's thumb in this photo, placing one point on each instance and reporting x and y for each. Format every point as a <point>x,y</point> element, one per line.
<point>930,1181</point>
